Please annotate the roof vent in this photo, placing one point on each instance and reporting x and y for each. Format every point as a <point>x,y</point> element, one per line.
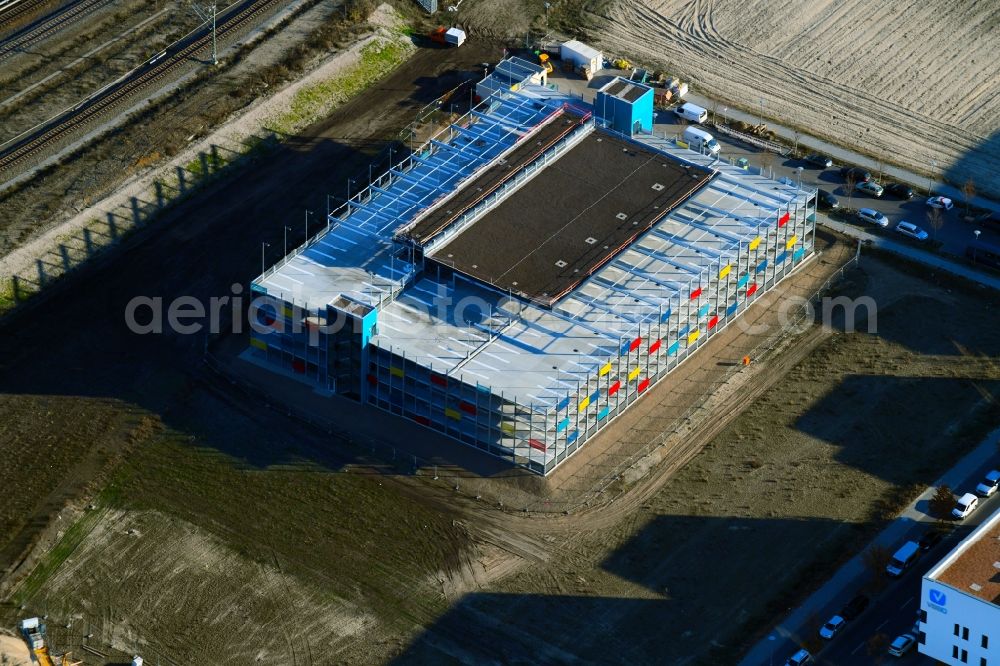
<point>996,565</point>
<point>975,587</point>
<point>622,216</point>
<point>590,240</point>
<point>561,264</point>
<point>657,186</point>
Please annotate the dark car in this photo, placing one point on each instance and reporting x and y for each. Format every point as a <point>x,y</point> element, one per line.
<point>855,607</point>
<point>825,200</point>
<point>819,160</point>
<point>930,539</point>
<point>899,190</point>
<point>860,175</point>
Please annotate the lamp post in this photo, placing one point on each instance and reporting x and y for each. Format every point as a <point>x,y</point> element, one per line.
<point>760,119</point>
<point>930,177</point>
<point>799,169</point>
<point>285,249</point>
<point>975,248</point>
<point>725,116</point>
<point>308,213</point>
<point>262,246</point>
<point>772,639</point>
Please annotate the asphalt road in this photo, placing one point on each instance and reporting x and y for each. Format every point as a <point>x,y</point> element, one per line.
<point>954,234</point>
<point>894,610</point>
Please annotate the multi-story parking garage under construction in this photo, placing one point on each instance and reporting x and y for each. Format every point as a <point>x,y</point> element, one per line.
<point>530,272</point>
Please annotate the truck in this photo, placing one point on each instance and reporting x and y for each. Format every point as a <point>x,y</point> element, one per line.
<point>448,36</point>
<point>701,141</point>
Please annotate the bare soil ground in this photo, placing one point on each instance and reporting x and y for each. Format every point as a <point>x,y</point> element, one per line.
<point>58,72</point>
<point>800,479</point>
<point>14,651</point>
<point>909,81</point>
<point>65,70</point>
<point>230,526</point>
<point>912,81</point>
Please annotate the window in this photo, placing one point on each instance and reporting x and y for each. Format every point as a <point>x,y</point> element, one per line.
<point>922,637</point>
<point>965,656</point>
<point>985,643</point>
<point>923,615</point>
<point>956,632</point>
<point>965,633</point>
<point>982,661</point>
<point>954,650</point>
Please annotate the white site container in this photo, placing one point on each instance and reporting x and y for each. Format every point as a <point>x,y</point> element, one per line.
<point>454,36</point>
<point>581,55</point>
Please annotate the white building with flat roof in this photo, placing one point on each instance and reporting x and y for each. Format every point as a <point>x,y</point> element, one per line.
<point>960,601</point>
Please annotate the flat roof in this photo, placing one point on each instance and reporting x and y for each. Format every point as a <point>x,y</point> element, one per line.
<point>437,219</point>
<point>624,89</point>
<point>974,566</point>
<point>572,218</point>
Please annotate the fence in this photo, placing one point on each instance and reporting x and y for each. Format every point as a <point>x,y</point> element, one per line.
<point>395,460</point>
<point>756,353</point>
<point>763,144</point>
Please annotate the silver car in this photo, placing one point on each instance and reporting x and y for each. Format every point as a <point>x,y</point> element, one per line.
<point>870,187</point>
<point>872,216</point>
<point>911,230</point>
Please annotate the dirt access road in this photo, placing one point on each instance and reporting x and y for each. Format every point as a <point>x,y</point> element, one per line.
<point>911,81</point>
<point>76,384</point>
<point>243,506</point>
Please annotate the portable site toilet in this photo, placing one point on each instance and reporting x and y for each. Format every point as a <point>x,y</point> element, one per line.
<point>625,106</point>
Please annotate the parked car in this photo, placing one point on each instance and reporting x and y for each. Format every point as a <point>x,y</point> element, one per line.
<point>800,658</point>
<point>930,539</point>
<point>869,187</point>
<point>854,607</point>
<point>901,645</point>
<point>989,484</point>
<point>940,202</point>
<point>911,230</point>
<point>965,505</point>
<point>832,627</point>
<point>903,559</point>
<point>825,200</point>
<point>860,175</point>
<point>872,216</point>
<point>819,160</point>
<point>899,190</point>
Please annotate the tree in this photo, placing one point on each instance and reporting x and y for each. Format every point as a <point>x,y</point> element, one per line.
<point>968,192</point>
<point>849,186</point>
<point>942,503</point>
<point>876,559</point>
<point>877,646</point>
<point>766,160</point>
<point>935,220</point>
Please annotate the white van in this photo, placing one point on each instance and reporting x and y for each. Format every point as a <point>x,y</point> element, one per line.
<point>691,112</point>
<point>904,557</point>
<point>700,141</point>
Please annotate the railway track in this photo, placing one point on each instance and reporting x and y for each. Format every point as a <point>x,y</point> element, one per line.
<point>43,27</point>
<point>229,21</point>
<point>12,10</point>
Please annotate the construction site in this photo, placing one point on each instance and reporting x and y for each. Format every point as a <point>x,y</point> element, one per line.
<point>529,272</point>
<point>518,396</point>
